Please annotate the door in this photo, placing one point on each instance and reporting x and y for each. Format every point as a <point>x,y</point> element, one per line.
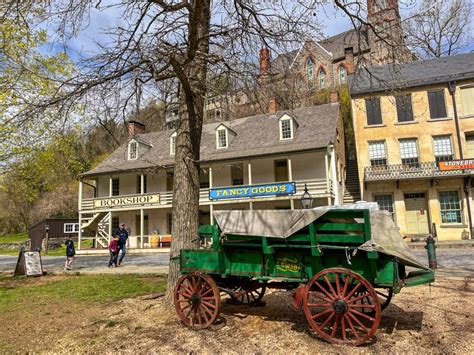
<point>145,224</point>
<point>169,181</point>
<point>281,170</point>
<point>416,208</point>
<point>470,145</point>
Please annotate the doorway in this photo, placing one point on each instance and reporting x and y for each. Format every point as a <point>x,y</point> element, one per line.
<point>281,170</point>
<point>416,213</point>
<point>145,224</point>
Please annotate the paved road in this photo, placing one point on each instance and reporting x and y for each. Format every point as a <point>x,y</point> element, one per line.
<point>450,261</point>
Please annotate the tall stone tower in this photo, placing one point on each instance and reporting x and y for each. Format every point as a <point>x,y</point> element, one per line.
<point>385,33</point>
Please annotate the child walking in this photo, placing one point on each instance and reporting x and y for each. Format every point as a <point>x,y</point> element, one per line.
<point>70,253</point>
<point>113,249</point>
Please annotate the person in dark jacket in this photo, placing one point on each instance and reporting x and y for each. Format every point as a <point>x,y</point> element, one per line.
<point>113,250</point>
<point>123,241</point>
<point>70,253</point>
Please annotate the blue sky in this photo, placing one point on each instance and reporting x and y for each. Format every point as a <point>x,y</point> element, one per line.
<point>334,22</point>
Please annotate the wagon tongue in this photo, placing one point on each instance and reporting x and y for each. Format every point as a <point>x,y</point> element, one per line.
<point>340,306</point>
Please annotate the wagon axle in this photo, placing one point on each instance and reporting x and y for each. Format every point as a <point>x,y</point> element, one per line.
<point>340,306</point>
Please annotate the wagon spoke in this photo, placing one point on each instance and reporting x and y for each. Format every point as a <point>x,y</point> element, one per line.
<point>343,328</point>
<point>362,315</point>
<point>325,305</point>
<point>209,304</point>
<point>319,315</point>
<point>354,290</point>
<point>207,292</point>
<point>330,286</point>
<point>334,326</point>
<point>338,287</point>
<point>360,297</point>
<point>358,321</point>
<point>354,331</point>
<point>346,284</point>
<point>361,306</point>
<point>328,319</point>
<point>324,290</point>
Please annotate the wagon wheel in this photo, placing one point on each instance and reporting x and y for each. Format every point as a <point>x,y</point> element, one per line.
<point>197,300</point>
<point>248,295</point>
<point>331,308</point>
<point>383,294</point>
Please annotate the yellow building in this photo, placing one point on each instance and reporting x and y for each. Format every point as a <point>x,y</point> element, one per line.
<point>409,119</point>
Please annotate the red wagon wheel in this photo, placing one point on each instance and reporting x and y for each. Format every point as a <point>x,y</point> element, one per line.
<point>249,295</point>
<point>197,300</point>
<point>331,303</point>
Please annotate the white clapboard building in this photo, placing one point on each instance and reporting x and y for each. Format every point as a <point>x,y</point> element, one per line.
<point>259,162</point>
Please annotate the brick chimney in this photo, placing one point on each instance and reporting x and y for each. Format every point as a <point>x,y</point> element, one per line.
<point>134,128</point>
<point>264,61</point>
<point>334,97</point>
<point>349,59</point>
<point>273,106</point>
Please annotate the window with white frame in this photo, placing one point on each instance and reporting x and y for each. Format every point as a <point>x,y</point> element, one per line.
<point>409,152</point>
<point>132,150</point>
<point>322,78</point>
<point>443,149</point>
<point>221,135</point>
<point>342,74</point>
<point>385,202</point>
<point>71,227</point>
<point>286,128</point>
<point>173,144</point>
<point>377,153</point>
<point>450,206</point>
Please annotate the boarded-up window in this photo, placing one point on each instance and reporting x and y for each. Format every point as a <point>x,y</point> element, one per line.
<point>404,109</point>
<point>467,101</point>
<point>437,104</point>
<point>374,113</point>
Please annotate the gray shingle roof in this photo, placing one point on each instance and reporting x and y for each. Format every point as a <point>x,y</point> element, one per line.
<point>256,136</point>
<point>418,73</point>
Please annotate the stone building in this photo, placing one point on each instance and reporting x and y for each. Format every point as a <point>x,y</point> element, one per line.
<point>414,132</point>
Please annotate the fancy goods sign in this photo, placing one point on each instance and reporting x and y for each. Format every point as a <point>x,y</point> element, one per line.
<point>126,201</point>
<point>465,164</point>
<point>286,188</point>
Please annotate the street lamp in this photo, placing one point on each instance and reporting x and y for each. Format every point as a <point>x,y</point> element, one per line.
<point>306,198</point>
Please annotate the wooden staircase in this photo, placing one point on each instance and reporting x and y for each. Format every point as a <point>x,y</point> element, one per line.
<point>98,224</point>
<point>352,192</point>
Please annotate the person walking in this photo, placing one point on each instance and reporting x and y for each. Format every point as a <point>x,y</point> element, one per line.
<point>70,253</point>
<point>123,241</point>
<point>113,250</point>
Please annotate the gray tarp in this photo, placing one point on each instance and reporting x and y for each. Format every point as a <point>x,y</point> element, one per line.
<point>385,236</point>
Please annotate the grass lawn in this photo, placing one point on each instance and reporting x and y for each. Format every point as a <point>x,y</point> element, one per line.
<point>51,306</point>
<point>14,238</point>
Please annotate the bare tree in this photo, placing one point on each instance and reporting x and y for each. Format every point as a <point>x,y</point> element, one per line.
<point>440,27</point>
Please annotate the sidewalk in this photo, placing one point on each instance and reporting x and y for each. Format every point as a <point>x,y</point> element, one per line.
<point>444,244</point>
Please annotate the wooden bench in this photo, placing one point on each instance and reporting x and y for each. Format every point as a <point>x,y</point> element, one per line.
<point>165,239</point>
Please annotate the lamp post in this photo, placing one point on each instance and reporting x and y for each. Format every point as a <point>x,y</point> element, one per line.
<point>306,198</point>
<point>46,239</point>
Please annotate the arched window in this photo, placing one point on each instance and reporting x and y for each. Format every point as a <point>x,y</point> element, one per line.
<point>342,74</point>
<point>310,70</point>
<point>322,78</point>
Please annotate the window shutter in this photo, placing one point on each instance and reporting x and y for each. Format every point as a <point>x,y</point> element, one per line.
<point>374,113</point>
<point>404,109</point>
<point>437,104</point>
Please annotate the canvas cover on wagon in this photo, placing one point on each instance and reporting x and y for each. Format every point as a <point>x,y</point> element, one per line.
<point>385,236</point>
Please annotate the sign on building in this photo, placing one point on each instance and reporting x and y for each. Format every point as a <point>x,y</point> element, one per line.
<point>465,164</point>
<point>277,189</point>
<point>112,202</point>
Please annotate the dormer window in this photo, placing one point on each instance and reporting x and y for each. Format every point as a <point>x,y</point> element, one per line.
<point>286,127</point>
<point>221,136</point>
<point>173,144</point>
<point>133,150</point>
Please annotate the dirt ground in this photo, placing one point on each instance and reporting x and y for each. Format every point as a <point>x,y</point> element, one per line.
<point>436,319</point>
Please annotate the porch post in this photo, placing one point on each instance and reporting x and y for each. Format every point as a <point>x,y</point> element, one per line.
<point>211,206</point>
<point>290,178</point>
<point>141,228</point>
<point>335,183</point>
<point>249,168</point>
<point>142,184</point>
<point>110,187</point>
<point>79,236</point>
<point>328,182</point>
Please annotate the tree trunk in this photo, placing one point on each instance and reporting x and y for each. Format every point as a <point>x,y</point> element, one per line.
<point>185,219</point>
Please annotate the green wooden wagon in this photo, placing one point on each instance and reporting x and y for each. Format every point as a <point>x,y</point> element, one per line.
<point>343,264</point>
